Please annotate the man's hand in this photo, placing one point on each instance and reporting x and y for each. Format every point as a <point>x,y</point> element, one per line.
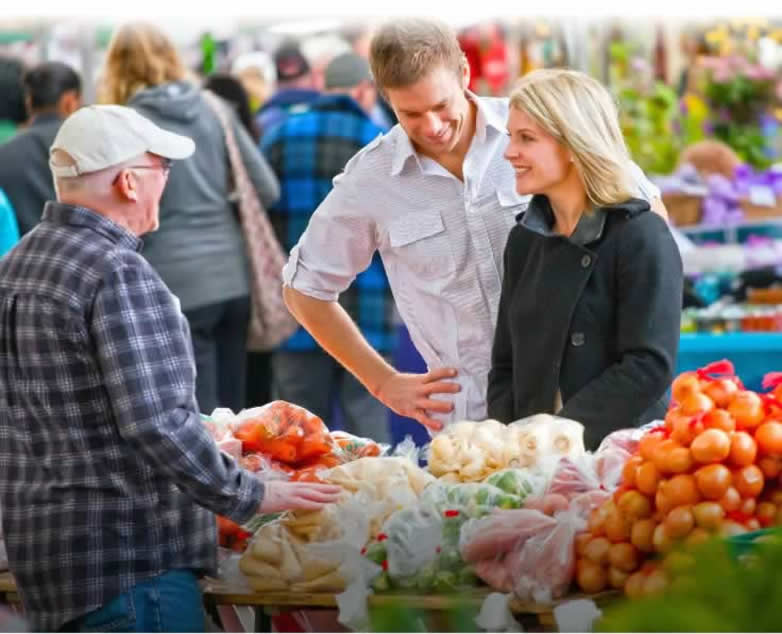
<point>281,495</point>
<point>410,395</point>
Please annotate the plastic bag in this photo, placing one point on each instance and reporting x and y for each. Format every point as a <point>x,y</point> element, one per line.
<point>418,549</point>
<point>409,450</point>
<point>542,568</point>
<point>218,423</point>
<point>522,483</point>
<point>535,438</point>
<point>413,538</point>
<point>468,451</point>
<point>625,439</point>
<point>524,551</point>
<point>308,551</point>
<point>495,614</point>
<point>493,537</point>
<point>285,432</point>
<point>353,447</point>
<point>609,463</point>
<point>573,476</point>
<point>474,499</point>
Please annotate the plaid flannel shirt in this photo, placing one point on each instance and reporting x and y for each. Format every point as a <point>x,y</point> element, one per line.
<point>103,458</point>
<point>306,151</point>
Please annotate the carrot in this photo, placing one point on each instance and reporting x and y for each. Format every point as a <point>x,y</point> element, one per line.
<point>313,446</point>
<point>250,436</point>
<point>280,450</point>
<point>369,450</point>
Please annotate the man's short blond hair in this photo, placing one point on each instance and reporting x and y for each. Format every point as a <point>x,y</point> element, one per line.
<point>404,51</point>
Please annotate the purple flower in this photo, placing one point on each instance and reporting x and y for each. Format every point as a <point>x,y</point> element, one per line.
<point>639,65</point>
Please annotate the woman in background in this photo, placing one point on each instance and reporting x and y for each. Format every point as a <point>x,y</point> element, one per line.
<point>259,370</point>
<point>199,249</point>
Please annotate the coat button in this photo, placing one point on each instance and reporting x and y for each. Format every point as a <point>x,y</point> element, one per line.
<point>586,261</point>
<point>577,338</point>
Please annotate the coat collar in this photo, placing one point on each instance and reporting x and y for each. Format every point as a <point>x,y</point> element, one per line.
<point>540,218</point>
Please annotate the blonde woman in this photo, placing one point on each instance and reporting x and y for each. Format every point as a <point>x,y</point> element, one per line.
<point>198,249</point>
<point>588,322</point>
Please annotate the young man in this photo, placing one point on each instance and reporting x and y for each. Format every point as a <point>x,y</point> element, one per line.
<point>437,199</point>
<point>330,131</point>
<point>106,470</point>
<point>52,92</point>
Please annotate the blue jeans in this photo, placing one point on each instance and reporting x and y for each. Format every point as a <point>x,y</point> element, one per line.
<point>171,602</point>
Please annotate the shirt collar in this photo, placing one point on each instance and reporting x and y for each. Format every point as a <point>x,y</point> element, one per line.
<point>485,118</point>
<point>540,218</point>
<point>60,213</point>
<point>403,150</point>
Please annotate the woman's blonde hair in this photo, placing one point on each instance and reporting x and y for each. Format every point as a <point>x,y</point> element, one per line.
<point>581,115</point>
<point>140,56</point>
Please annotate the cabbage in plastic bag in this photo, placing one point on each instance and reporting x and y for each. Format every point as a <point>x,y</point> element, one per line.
<point>474,499</point>
<point>521,483</point>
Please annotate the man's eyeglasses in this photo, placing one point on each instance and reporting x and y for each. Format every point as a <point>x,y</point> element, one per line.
<point>165,165</point>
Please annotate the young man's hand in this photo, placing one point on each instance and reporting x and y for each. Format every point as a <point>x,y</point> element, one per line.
<point>281,495</point>
<point>411,395</point>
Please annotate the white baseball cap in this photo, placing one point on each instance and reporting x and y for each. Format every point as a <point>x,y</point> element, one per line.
<point>98,137</point>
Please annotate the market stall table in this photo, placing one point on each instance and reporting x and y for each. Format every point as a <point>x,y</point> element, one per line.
<point>217,593</point>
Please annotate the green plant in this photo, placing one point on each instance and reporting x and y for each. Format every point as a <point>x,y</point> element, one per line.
<point>739,93</point>
<point>722,593</point>
<point>655,123</point>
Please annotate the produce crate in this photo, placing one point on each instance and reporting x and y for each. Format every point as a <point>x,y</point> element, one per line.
<point>683,209</point>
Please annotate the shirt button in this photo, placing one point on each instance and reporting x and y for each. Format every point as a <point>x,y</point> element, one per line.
<point>577,339</point>
<point>586,261</point>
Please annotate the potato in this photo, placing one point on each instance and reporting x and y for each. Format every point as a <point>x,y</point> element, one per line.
<point>330,582</point>
<point>253,567</point>
<point>267,548</point>
<point>290,567</point>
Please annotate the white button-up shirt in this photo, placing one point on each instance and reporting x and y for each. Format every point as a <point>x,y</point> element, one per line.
<point>441,241</point>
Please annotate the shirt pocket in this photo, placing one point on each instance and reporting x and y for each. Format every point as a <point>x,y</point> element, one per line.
<point>421,242</point>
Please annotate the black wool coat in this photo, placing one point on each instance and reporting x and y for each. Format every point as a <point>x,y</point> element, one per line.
<point>595,315</point>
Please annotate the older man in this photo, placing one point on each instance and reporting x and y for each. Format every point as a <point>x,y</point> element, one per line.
<point>106,472</point>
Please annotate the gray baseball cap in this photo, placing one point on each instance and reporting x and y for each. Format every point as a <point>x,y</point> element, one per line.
<point>98,137</point>
<point>347,70</point>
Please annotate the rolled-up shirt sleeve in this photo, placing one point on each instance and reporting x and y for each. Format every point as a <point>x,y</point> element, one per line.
<point>337,245</point>
<point>144,354</point>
